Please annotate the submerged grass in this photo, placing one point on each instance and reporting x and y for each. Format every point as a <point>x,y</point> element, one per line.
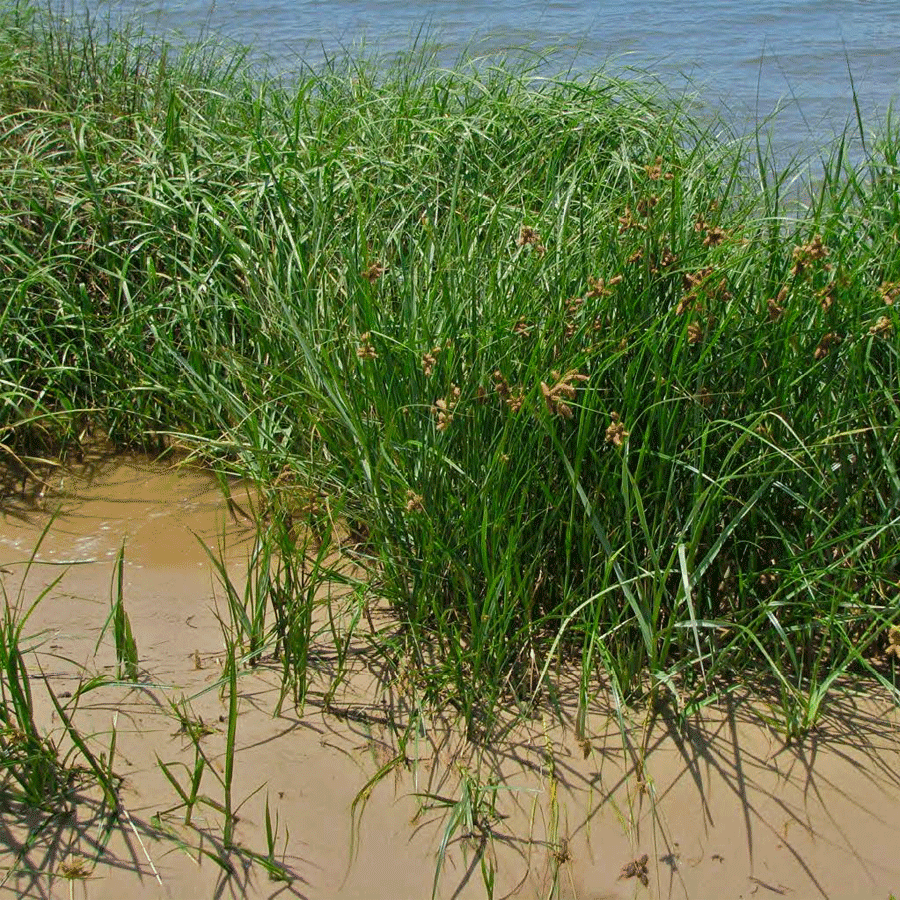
<point>585,385</point>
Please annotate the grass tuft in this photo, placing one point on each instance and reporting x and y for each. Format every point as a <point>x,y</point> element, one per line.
<point>587,385</point>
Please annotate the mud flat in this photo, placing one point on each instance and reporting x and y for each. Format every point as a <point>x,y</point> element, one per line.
<point>369,793</point>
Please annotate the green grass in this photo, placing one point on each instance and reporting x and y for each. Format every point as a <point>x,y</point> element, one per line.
<point>586,385</point>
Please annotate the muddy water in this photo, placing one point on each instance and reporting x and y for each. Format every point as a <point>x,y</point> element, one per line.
<point>721,808</point>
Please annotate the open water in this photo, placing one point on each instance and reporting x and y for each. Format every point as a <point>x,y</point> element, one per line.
<point>748,59</point>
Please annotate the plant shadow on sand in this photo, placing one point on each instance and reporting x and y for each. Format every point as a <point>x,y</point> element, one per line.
<point>564,801</point>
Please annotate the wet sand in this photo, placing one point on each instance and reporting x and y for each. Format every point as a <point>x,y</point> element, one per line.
<point>722,808</point>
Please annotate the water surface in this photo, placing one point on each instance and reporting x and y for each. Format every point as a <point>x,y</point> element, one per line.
<point>748,59</point>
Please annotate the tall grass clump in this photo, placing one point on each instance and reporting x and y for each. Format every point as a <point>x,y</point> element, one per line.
<point>588,384</point>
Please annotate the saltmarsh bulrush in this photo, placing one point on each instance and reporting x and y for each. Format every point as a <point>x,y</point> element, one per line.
<point>327,274</point>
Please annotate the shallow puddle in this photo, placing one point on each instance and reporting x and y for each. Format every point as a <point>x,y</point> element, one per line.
<point>721,808</point>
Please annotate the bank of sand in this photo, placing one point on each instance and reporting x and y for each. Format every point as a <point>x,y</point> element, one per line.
<point>721,809</point>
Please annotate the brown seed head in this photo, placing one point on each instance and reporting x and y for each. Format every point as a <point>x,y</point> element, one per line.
<point>828,341</point>
<point>655,170</point>
<point>429,360</point>
<point>627,220</point>
<point>883,326</point>
<point>805,255</point>
<point>365,350</point>
<point>645,205</point>
<point>826,297</point>
<point>615,432</point>
<point>528,236</point>
<point>414,502</point>
<point>890,292</point>
<point>522,328</point>
<point>563,389</point>
<point>893,641</point>
<point>599,287</point>
<point>373,272</point>
<point>714,237</point>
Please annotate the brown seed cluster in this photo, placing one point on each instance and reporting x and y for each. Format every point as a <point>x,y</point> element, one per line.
<point>806,255</point>
<point>599,287</point>
<point>829,340</point>
<point>664,260</point>
<point>893,642</point>
<point>637,868</point>
<point>373,272</point>
<point>699,286</point>
<point>616,433</point>
<point>712,234</point>
<point>429,360</point>
<point>563,390</point>
<point>776,305</point>
<point>655,171</point>
<point>890,292</point>
<point>529,237</point>
<point>646,204</point>
<point>513,398</point>
<point>522,327</point>
<point>882,327</point>
<point>444,406</point>
<point>364,349</point>
<point>628,221</point>
<point>826,296</point>
<point>414,502</point>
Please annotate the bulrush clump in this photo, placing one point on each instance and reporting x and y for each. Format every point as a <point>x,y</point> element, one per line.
<point>883,326</point>
<point>529,237</point>
<point>599,287</point>
<point>414,502</point>
<point>695,333</point>
<point>713,235</point>
<point>522,327</point>
<point>429,361</point>
<point>373,272</point>
<point>807,254</point>
<point>615,432</point>
<point>655,171</point>
<point>890,292</point>
<point>627,220</point>
<point>512,398</point>
<point>563,389</point>
<point>776,305</point>
<point>444,406</point>
<point>893,642</point>
<point>365,350</point>
<point>832,339</point>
